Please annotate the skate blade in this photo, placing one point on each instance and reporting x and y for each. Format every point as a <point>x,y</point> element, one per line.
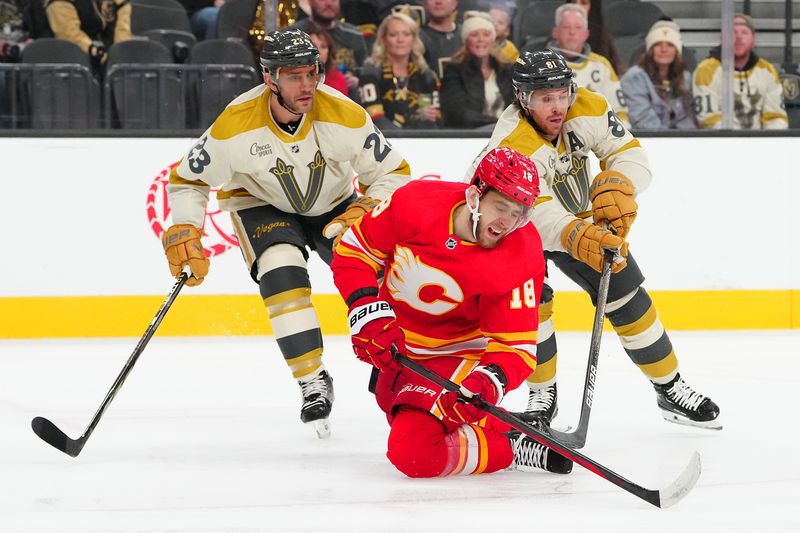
<point>322,427</point>
<point>683,421</point>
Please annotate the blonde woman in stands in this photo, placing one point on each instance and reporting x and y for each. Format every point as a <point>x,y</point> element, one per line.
<point>398,88</point>
<point>659,89</point>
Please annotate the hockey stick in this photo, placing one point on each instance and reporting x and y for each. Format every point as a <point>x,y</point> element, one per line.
<point>577,437</point>
<point>48,432</point>
<point>663,498</point>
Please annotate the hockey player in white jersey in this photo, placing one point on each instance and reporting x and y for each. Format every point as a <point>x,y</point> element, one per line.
<point>557,124</point>
<point>283,157</point>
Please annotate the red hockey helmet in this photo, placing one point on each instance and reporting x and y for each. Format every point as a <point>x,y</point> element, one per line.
<point>510,173</point>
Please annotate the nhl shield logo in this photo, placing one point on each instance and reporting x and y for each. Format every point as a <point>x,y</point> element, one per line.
<point>451,243</point>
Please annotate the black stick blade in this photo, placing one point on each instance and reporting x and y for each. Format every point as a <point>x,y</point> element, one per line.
<point>48,432</point>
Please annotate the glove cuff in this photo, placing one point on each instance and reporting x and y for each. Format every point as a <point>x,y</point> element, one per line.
<point>498,378</point>
<point>611,180</point>
<point>360,316</point>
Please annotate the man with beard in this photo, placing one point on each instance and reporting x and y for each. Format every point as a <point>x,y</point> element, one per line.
<point>282,156</point>
<point>556,124</point>
<point>757,90</point>
<point>463,274</point>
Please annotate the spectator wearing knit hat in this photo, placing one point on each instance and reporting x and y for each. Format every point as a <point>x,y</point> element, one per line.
<point>476,87</point>
<point>658,89</point>
<point>757,91</point>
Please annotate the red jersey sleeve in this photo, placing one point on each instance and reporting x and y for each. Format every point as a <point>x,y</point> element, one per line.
<point>365,247</point>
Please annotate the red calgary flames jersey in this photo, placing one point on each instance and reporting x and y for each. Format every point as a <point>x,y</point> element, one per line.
<point>451,297</point>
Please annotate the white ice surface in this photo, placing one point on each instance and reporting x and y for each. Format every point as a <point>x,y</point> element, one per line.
<point>205,437</point>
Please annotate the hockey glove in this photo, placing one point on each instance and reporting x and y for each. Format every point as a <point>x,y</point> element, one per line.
<point>373,330</point>
<point>488,382</point>
<point>336,227</point>
<point>585,242</point>
<point>183,247</point>
<point>612,201</point>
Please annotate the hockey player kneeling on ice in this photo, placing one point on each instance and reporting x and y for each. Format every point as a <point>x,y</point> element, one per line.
<point>459,296</point>
<point>283,156</point>
<point>556,125</point>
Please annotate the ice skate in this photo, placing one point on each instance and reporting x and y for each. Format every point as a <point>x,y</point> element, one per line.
<point>680,404</point>
<point>317,402</point>
<point>542,405</point>
<point>529,455</point>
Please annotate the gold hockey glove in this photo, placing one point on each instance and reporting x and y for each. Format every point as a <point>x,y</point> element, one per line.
<point>612,201</point>
<point>585,242</point>
<point>182,246</point>
<point>336,227</point>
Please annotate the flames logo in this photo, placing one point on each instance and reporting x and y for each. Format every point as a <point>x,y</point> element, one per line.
<point>218,235</point>
<point>409,276</point>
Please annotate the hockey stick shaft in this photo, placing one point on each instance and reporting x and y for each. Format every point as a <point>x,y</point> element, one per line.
<point>659,498</point>
<point>577,437</point>
<point>48,432</point>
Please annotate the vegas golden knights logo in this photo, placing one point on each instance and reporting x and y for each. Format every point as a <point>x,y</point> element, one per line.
<point>572,187</point>
<point>302,202</point>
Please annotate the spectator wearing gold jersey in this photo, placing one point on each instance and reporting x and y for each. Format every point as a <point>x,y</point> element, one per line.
<point>397,87</point>
<point>659,89</point>
<point>757,90</point>
<point>94,25</point>
<point>476,87</point>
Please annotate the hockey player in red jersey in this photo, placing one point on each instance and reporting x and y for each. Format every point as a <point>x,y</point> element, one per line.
<point>463,276</point>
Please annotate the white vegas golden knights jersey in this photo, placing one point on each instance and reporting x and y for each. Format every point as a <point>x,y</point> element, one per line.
<point>563,165</point>
<point>596,74</point>
<point>757,96</point>
<point>253,162</point>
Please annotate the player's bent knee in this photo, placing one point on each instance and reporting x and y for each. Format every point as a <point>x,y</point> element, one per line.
<point>417,446</point>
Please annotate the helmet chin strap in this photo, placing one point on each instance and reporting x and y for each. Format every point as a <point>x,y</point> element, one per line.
<point>474,211</point>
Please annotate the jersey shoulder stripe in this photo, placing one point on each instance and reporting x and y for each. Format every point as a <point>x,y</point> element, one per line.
<point>705,71</point>
<point>247,112</point>
<point>523,138</point>
<point>587,104</point>
<point>597,58</point>
<point>339,110</point>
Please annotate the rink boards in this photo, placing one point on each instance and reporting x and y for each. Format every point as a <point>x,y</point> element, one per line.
<point>716,237</point>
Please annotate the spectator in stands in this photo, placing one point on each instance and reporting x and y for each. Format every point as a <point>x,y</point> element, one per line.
<point>476,87</point>
<point>398,89</point>
<point>757,91</point>
<point>599,38</point>
<point>327,50</point>
<point>94,25</point>
<point>658,89</point>
<point>440,34</point>
<point>351,49</point>
<point>203,16</point>
<point>592,70</point>
<point>501,18</point>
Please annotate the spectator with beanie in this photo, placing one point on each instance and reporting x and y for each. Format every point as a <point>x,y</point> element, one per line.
<point>476,87</point>
<point>440,34</point>
<point>94,25</point>
<point>757,90</point>
<point>658,89</point>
